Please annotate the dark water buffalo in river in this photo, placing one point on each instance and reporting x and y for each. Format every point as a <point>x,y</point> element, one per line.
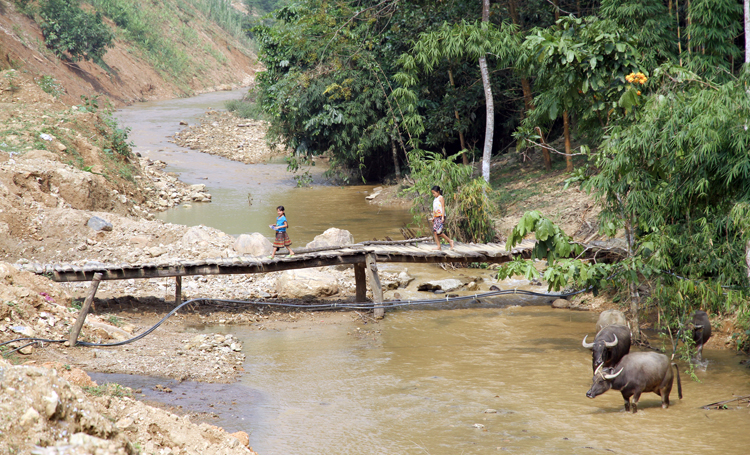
<point>610,317</point>
<point>609,346</point>
<point>701,332</point>
<point>637,373</point>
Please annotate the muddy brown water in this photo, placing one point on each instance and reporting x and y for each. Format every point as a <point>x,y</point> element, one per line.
<point>245,196</point>
<point>448,380</point>
<point>510,376</point>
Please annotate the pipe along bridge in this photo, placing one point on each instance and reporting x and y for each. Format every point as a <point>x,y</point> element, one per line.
<point>363,256</point>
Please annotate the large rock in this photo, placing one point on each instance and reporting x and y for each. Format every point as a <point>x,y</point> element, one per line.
<point>256,244</point>
<point>99,224</point>
<point>82,190</point>
<point>447,285</point>
<point>196,235</point>
<point>331,237</point>
<point>306,284</point>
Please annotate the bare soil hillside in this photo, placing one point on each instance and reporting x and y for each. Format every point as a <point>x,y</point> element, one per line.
<point>128,76</point>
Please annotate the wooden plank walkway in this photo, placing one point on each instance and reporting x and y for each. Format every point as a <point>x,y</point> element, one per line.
<point>413,252</point>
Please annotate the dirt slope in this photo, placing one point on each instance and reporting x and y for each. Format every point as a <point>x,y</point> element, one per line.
<point>130,77</point>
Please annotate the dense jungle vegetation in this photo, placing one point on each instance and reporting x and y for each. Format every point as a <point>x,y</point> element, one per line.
<point>650,96</point>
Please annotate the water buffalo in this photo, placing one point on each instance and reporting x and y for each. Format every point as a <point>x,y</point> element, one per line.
<point>610,317</point>
<point>637,373</point>
<point>701,332</point>
<point>609,346</point>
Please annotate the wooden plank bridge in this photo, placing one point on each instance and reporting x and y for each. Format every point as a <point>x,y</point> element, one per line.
<point>363,256</point>
<point>399,251</point>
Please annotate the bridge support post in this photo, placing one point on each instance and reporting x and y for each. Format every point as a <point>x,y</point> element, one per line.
<point>177,290</point>
<point>76,330</point>
<point>371,268</point>
<point>360,280</point>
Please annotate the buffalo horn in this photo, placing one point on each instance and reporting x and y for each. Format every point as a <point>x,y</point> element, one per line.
<point>611,344</point>
<point>587,345</point>
<point>612,376</point>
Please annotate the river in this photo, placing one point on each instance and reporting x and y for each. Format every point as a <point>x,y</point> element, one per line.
<point>310,210</point>
<point>503,377</point>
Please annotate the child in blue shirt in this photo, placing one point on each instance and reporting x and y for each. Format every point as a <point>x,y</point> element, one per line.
<point>282,238</point>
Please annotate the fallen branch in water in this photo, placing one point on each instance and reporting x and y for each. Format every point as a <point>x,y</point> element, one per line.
<point>723,404</point>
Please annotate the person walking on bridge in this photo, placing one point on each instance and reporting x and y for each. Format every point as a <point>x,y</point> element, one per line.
<point>438,217</point>
<point>282,238</point>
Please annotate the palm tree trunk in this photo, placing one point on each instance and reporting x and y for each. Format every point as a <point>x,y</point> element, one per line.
<point>747,33</point>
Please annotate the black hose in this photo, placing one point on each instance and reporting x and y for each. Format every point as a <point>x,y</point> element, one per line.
<point>317,307</point>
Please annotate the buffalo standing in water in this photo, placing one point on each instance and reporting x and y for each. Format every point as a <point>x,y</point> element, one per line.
<point>610,317</point>
<point>701,332</point>
<point>637,373</point>
<point>609,346</point>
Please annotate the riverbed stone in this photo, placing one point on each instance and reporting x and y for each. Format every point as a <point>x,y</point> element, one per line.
<point>446,285</point>
<point>256,244</point>
<point>99,224</point>
<point>332,237</point>
<point>560,303</point>
<point>404,279</point>
<point>306,284</point>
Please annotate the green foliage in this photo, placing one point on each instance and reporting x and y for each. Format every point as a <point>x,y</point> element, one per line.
<point>89,104</point>
<point>11,76</point>
<point>713,26</point>
<point>679,176</point>
<point>224,14</point>
<point>50,86</point>
<point>330,84</point>
<point>116,136</point>
<point>650,25</point>
<point>449,49</point>
<point>262,7</point>
<point>25,6</point>
<point>556,247</point>
<point>247,107</point>
<point>110,389</point>
<point>71,32</point>
<point>552,243</point>
<point>581,67</point>
<point>467,204</point>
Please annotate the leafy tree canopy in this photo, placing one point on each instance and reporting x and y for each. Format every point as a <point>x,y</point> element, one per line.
<point>70,31</point>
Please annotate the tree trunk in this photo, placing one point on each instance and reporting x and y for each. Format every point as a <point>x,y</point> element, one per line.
<point>635,297</point>
<point>557,10</point>
<point>689,24</point>
<point>460,133</point>
<point>568,154</point>
<point>747,246</point>
<point>747,33</point>
<point>545,151</point>
<point>489,131</point>
<point>528,94</point>
<point>679,38</point>
<point>396,166</point>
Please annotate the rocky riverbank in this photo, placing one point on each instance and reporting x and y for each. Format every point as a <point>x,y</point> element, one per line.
<point>223,134</point>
